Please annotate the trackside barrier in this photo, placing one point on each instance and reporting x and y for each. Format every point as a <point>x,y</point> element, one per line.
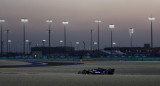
<point>88,58</point>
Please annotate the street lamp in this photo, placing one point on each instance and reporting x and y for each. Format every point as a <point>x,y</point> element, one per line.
<point>151,19</point>
<point>43,43</point>
<point>77,43</point>
<point>1,21</point>
<point>49,21</point>
<point>61,41</point>
<point>24,20</point>
<point>98,21</point>
<point>27,41</point>
<point>9,41</point>
<point>95,43</point>
<point>111,26</point>
<point>114,45</point>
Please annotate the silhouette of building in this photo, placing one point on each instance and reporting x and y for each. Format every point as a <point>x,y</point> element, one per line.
<point>54,51</point>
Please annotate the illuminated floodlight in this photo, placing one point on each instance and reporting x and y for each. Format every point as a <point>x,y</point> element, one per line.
<point>2,20</point>
<point>49,21</point>
<point>27,40</point>
<point>44,40</point>
<point>131,30</point>
<point>65,22</point>
<point>77,42</point>
<point>95,43</point>
<point>111,26</point>
<point>9,41</point>
<point>114,43</point>
<point>98,21</point>
<point>151,18</point>
<point>24,20</point>
<point>61,41</point>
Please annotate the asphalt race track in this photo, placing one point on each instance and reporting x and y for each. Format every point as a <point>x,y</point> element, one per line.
<point>38,64</point>
<point>127,73</point>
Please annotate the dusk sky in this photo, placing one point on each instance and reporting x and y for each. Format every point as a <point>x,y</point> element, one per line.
<point>81,15</point>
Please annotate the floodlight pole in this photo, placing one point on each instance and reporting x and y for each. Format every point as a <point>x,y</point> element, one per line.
<point>151,36</point>
<point>111,43</point>
<point>65,35</point>
<point>98,37</point>
<point>24,38</point>
<point>91,39</point>
<point>151,19</point>
<point>49,37</point>
<point>49,31</point>
<point>131,41</point>
<point>111,26</point>
<point>131,31</point>
<point>7,40</point>
<point>1,42</point>
<point>24,20</point>
<point>131,46</point>
<point>98,21</point>
<point>65,41</point>
<point>1,21</point>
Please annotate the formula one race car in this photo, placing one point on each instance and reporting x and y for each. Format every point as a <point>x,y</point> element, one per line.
<point>109,71</point>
